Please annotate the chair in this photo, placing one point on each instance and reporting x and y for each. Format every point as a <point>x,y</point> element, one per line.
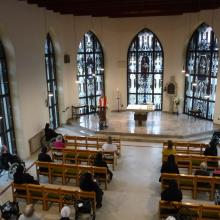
<point>110,158</point>
<point>36,192</point>
<point>53,196</point>
<point>102,174</point>
<point>70,172</point>
<point>43,168</point>
<point>19,191</point>
<point>56,170</point>
<point>204,184</point>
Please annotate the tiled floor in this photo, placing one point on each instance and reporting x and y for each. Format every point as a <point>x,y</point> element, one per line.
<point>158,123</point>
<point>134,191</point>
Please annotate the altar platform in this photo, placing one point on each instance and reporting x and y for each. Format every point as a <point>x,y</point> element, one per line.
<point>159,126</point>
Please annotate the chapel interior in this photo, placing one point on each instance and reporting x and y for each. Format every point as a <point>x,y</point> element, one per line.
<point>143,72</point>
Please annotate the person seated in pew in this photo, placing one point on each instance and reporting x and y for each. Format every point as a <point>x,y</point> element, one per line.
<point>7,158</point>
<point>169,150</point>
<point>109,147</point>
<point>212,149</point>
<point>29,213</point>
<point>44,157</point>
<point>58,143</point>
<point>65,213</point>
<point>169,166</point>
<point>172,193</point>
<point>87,183</point>
<point>99,162</point>
<point>203,171</point>
<point>21,177</point>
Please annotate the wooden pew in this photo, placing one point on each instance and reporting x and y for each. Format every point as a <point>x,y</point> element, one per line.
<point>69,171</point>
<point>115,140</point>
<point>197,211</point>
<point>52,193</point>
<point>187,147</point>
<point>193,183</point>
<point>72,155</point>
<point>191,161</point>
<point>91,142</point>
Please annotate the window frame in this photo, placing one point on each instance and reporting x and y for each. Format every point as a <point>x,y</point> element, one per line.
<point>6,133</point>
<point>153,73</point>
<point>52,85</point>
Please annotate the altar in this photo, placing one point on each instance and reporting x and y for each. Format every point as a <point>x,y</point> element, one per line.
<point>140,112</point>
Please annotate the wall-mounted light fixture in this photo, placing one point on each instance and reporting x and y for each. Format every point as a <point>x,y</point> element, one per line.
<point>183,70</point>
<point>66,58</point>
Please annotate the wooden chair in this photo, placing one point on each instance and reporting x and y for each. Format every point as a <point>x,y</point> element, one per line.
<point>56,170</point>
<point>52,196</point>
<point>102,174</point>
<point>92,142</point>
<point>36,192</point>
<point>110,158</point>
<point>204,184</point>
<point>57,154</point>
<point>210,212</point>
<point>43,168</point>
<point>169,208</point>
<point>19,191</point>
<point>81,142</point>
<point>68,197</point>
<point>70,172</point>
<point>88,195</point>
<point>70,155</point>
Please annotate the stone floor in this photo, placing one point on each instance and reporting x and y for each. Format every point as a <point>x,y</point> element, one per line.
<point>158,123</point>
<point>134,191</point>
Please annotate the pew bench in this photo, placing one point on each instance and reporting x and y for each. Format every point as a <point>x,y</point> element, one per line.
<point>70,155</point>
<point>50,193</point>
<point>91,142</point>
<point>197,211</point>
<point>186,148</point>
<point>193,183</point>
<point>192,162</point>
<point>69,171</point>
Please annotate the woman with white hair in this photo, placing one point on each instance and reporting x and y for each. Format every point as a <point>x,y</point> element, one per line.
<point>29,213</point>
<point>65,213</point>
<point>203,171</point>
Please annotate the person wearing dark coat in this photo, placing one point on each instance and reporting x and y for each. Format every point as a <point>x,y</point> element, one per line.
<point>170,165</point>
<point>21,177</point>
<point>44,157</point>
<point>7,158</point>
<point>212,149</point>
<point>49,133</point>
<point>88,184</point>
<point>172,193</point>
<point>99,162</point>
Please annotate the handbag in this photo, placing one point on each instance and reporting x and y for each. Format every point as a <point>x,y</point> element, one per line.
<point>10,210</point>
<point>83,206</point>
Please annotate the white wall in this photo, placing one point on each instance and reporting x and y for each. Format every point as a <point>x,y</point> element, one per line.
<point>23,30</point>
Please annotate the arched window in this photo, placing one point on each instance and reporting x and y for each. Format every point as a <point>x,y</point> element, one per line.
<point>50,63</point>
<point>7,135</point>
<point>201,72</point>
<point>90,72</point>
<point>145,70</point>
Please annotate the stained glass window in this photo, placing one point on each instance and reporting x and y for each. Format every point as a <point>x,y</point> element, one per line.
<point>90,71</point>
<point>201,67</point>
<point>50,63</point>
<point>7,135</point>
<point>145,70</point>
